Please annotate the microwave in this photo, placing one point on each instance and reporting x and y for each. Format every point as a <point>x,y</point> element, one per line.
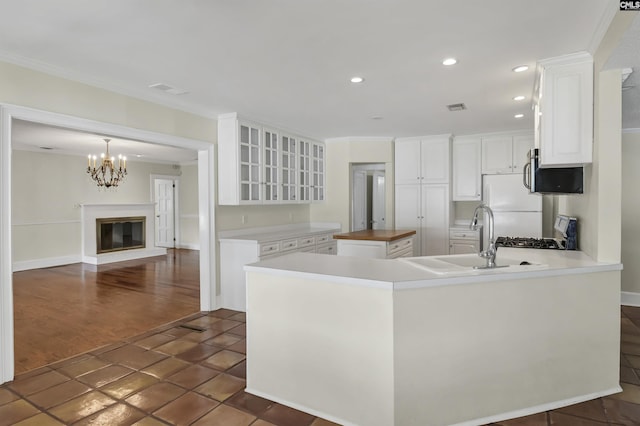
<point>560,180</point>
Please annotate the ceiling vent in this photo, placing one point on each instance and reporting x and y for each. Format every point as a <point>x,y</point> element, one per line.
<point>457,107</point>
<point>168,89</point>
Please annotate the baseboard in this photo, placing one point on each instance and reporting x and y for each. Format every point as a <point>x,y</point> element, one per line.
<point>194,246</point>
<point>120,256</point>
<point>629,298</point>
<point>49,262</point>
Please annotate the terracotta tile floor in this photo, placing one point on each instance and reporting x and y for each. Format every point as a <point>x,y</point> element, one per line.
<point>193,371</point>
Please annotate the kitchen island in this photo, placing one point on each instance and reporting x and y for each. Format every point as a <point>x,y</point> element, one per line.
<point>376,243</point>
<point>401,342</point>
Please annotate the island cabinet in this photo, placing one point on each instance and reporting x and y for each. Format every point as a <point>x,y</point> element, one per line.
<point>241,247</point>
<point>376,243</point>
<point>422,194</point>
<point>506,153</point>
<point>467,177</point>
<point>563,105</point>
<point>262,165</point>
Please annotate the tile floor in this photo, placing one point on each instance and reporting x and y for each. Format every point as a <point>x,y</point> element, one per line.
<point>192,372</point>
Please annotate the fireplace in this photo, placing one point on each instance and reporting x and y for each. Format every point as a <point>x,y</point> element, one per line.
<point>120,233</point>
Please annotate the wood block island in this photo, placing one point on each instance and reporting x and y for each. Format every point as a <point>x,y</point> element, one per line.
<point>378,342</point>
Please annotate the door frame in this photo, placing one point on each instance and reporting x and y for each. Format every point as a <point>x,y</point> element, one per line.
<point>176,203</point>
<point>353,168</point>
<point>206,210</point>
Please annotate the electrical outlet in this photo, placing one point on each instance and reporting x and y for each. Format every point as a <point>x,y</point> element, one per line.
<point>245,219</point>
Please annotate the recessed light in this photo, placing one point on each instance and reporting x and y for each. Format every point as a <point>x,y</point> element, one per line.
<point>519,115</point>
<point>521,68</point>
<point>357,79</point>
<point>449,61</point>
<point>519,98</point>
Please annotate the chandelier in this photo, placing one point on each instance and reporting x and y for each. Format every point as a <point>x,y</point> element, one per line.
<point>106,175</point>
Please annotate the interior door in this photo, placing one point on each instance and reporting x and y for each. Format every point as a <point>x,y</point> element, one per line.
<point>359,220</point>
<point>164,201</point>
<point>378,201</point>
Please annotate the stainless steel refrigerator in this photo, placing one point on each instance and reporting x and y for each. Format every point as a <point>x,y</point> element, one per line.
<point>517,213</point>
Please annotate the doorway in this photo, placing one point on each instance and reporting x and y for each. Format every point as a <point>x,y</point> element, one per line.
<point>165,197</point>
<point>206,212</point>
<point>368,196</point>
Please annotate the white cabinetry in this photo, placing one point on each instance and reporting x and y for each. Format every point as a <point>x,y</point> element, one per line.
<point>261,165</point>
<point>241,247</point>
<point>422,196</point>
<point>467,178</point>
<point>422,160</point>
<point>564,110</point>
<point>464,241</point>
<point>505,153</point>
<point>376,249</point>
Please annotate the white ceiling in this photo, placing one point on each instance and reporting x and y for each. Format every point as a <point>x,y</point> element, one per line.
<point>288,62</point>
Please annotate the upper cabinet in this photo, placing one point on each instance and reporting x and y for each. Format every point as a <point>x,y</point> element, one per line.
<point>564,110</point>
<point>467,178</point>
<point>505,153</point>
<point>262,165</point>
<point>422,160</point>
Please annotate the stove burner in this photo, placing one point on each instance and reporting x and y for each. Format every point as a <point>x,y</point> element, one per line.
<point>523,242</point>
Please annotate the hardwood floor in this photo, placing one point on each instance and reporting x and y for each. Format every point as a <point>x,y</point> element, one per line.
<point>63,311</point>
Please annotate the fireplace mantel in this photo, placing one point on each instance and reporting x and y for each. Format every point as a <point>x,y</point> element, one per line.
<point>91,212</point>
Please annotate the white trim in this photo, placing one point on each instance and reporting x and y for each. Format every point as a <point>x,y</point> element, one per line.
<point>605,22</point>
<point>123,255</point>
<point>188,246</point>
<point>176,202</point>
<point>359,139</point>
<point>48,222</point>
<point>206,194</point>
<point>631,130</point>
<point>49,262</point>
<point>475,422</point>
<point>628,298</point>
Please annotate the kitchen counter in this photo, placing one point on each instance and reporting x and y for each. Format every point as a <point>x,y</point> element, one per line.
<point>386,342</point>
<point>375,235</point>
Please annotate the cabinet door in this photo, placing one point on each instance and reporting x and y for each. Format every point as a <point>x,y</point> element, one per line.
<point>250,152</point>
<point>289,168</point>
<point>407,162</point>
<point>497,155</point>
<point>567,122</point>
<point>271,169</point>
<point>435,225</point>
<point>304,171</point>
<point>318,171</point>
<point>462,247</point>
<point>466,169</point>
<point>434,154</point>
<point>522,144</point>
<point>408,211</point>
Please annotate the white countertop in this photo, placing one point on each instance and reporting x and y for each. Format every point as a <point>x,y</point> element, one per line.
<point>282,232</point>
<point>395,274</point>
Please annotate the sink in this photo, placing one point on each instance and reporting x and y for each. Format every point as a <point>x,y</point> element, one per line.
<point>467,264</point>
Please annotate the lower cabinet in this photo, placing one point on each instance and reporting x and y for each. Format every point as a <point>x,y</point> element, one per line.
<point>424,208</point>
<point>463,241</point>
<point>236,251</point>
<point>376,249</point>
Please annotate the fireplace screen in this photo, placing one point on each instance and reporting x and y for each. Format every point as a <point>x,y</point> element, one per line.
<point>120,233</point>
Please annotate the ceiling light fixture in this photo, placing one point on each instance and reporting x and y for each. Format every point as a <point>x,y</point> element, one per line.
<point>106,175</point>
<point>519,98</point>
<point>357,79</point>
<point>521,68</point>
<point>519,115</point>
<point>450,61</point>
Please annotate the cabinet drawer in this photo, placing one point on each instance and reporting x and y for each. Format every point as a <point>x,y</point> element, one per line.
<point>331,248</point>
<point>399,245</point>
<point>269,248</point>
<point>306,241</point>
<point>461,234</point>
<point>288,245</point>
<point>405,252</point>
<point>321,239</point>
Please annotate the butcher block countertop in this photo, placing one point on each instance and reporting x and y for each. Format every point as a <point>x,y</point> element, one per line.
<point>376,235</point>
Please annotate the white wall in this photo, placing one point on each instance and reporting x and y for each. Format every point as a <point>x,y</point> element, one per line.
<point>188,220</point>
<point>630,212</point>
<point>47,192</point>
<point>341,153</point>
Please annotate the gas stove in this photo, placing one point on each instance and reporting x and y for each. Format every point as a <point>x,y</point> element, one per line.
<point>523,242</point>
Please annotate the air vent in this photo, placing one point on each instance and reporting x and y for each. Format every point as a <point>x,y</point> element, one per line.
<point>47,148</point>
<point>168,89</point>
<point>457,107</point>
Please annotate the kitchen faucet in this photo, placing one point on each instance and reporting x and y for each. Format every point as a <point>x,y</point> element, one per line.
<point>492,250</point>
